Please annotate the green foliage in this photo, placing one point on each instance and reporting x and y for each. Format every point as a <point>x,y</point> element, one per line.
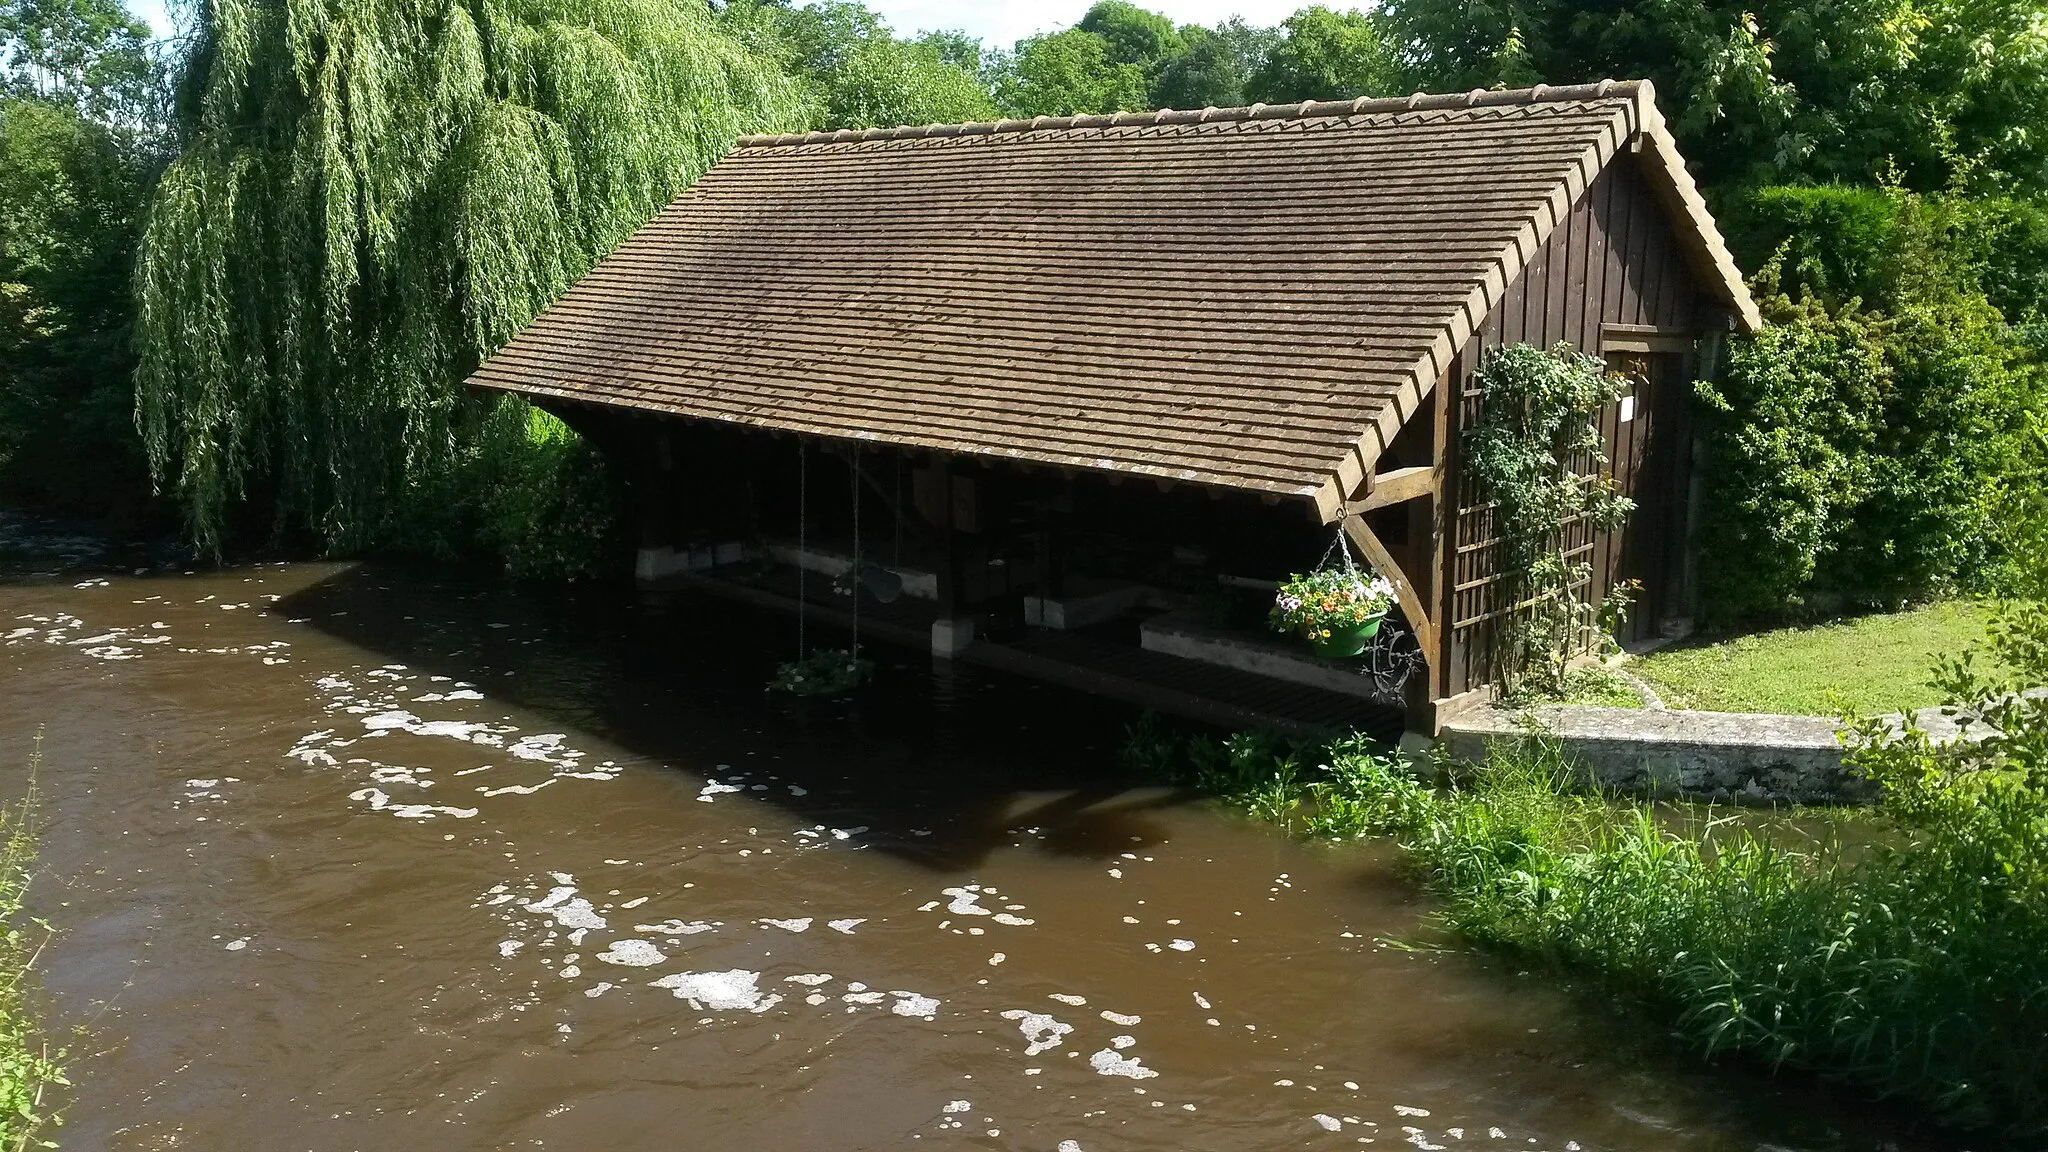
<point>89,55</point>
<point>1133,35</point>
<point>1535,452</point>
<point>1873,459</point>
<point>1938,93</point>
<point>824,672</point>
<point>71,203</point>
<point>1909,965</point>
<point>1325,55</point>
<point>374,194</point>
<point>854,73</point>
<point>29,1067</point>
<point>1885,247</point>
<point>545,500</point>
<point>1063,73</point>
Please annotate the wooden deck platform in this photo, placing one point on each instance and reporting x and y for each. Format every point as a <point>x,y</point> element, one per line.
<point>1190,689</point>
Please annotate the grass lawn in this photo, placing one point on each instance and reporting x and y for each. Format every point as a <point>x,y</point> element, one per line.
<point>1872,664</point>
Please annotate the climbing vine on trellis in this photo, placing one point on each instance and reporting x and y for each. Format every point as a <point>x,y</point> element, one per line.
<point>1536,453</point>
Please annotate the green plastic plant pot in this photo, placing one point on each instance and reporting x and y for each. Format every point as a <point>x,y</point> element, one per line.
<point>1349,641</point>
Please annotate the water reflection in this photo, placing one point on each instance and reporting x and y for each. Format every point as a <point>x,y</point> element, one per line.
<point>365,858</point>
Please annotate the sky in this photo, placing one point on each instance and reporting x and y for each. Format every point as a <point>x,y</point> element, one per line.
<point>999,23</point>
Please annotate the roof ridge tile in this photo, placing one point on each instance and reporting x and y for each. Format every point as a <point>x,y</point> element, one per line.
<point>1363,105</point>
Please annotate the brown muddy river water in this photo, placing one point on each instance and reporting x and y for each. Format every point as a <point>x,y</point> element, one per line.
<point>349,858</point>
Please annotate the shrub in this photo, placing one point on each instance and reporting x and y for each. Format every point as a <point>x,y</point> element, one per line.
<point>543,495</point>
<point>1872,459</point>
<point>1910,966</point>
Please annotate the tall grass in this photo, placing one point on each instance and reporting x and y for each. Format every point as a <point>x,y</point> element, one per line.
<point>29,1068</point>
<point>1916,966</point>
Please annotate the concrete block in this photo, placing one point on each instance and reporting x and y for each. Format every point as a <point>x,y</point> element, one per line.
<point>1273,656</point>
<point>951,637</point>
<point>1084,606</point>
<point>652,564</point>
<point>1714,755</point>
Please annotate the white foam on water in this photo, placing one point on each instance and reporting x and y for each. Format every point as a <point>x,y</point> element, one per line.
<point>1007,918</point>
<point>379,802</point>
<point>996,958</point>
<point>635,902</point>
<point>599,989</point>
<point>799,924</point>
<point>794,790</point>
<point>1069,998</point>
<point>848,925</point>
<point>1181,945</point>
<point>912,1004</point>
<point>632,954</point>
<point>965,902</point>
<point>1329,1123</point>
<point>1202,1003</point>
<point>517,789</point>
<point>1122,1042</point>
<point>1041,1032</point>
<point>568,909</point>
<point>1123,1021</point>
<point>732,990</point>
<point>1069,1146</point>
<point>236,945</point>
<point>1108,1063</point>
<point>678,927</point>
<point>713,788</point>
<point>957,1106</point>
<point>507,947</point>
<point>857,996</point>
<point>809,979</point>
<point>1405,1110</point>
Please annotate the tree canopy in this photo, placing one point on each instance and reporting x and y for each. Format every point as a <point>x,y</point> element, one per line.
<point>376,192</point>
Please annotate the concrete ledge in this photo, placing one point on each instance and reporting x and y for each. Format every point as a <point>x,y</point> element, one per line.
<point>651,564</point>
<point>1277,658</point>
<point>923,585</point>
<point>1086,603</point>
<point>1715,755</point>
<point>1743,756</point>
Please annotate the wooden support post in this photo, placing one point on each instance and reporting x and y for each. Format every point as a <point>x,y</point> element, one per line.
<point>1405,592</point>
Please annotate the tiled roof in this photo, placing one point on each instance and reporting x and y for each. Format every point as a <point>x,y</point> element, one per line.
<point>1251,298</point>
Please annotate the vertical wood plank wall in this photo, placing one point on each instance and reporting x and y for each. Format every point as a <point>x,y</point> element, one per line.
<point>1614,260</point>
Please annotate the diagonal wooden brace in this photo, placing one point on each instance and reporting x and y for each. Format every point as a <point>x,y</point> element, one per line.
<point>1376,554</point>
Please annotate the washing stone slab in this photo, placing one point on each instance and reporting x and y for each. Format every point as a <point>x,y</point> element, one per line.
<point>1738,756</point>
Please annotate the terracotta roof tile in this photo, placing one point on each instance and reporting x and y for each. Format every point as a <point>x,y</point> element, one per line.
<point>1252,297</point>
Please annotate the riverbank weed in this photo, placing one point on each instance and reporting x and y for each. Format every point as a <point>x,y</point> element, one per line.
<point>1910,966</point>
<point>29,1068</point>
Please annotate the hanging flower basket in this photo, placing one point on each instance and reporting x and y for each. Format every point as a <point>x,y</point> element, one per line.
<point>1337,609</point>
<point>825,672</point>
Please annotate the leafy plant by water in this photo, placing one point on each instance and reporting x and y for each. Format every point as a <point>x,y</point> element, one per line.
<point>29,1067</point>
<point>1910,966</point>
<point>824,672</point>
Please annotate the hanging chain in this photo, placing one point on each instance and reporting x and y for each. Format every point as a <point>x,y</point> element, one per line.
<point>854,460</point>
<point>1338,546</point>
<point>803,465</point>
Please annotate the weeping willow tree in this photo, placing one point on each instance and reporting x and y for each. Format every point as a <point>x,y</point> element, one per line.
<point>375,193</point>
